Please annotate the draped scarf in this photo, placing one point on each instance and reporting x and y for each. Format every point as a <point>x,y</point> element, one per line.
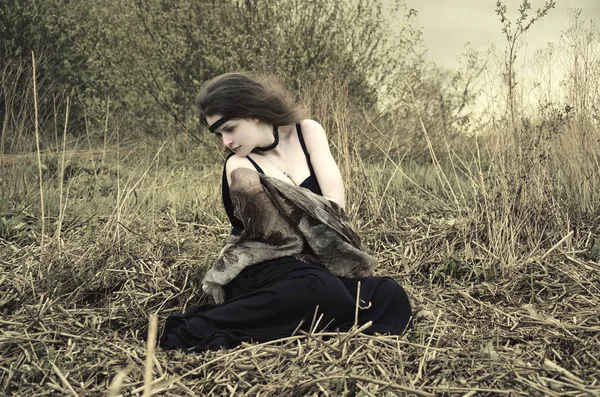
<point>284,220</point>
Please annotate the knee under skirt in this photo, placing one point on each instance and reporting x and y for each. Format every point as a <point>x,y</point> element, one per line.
<point>269,300</point>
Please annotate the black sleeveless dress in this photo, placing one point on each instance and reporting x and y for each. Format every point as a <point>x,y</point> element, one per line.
<point>309,183</point>
<point>269,300</point>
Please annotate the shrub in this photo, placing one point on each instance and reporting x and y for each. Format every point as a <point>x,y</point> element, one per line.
<point>151,56</point>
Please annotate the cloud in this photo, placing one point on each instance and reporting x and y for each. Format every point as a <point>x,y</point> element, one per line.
<point>448,26</point>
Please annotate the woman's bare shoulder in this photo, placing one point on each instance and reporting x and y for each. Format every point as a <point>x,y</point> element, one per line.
<point>311,125</point>
<point>237,161</point>
<point>314,134</point>
<point>234,162</point>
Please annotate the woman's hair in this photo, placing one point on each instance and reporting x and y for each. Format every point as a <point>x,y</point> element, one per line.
<point>240,95</point>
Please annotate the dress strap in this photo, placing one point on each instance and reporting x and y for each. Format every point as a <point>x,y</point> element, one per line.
<point>301,139</point>
<point>255,165</point>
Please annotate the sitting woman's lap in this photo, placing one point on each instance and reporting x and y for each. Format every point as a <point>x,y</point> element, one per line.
<point>268,301</point>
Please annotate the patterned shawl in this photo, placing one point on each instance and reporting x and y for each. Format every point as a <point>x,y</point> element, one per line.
<point>283,220</point>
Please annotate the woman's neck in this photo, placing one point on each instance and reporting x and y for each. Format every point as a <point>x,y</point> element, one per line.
<point>284,136</point>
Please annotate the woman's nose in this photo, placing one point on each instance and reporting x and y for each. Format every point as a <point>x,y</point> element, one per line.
<point>227,141</point>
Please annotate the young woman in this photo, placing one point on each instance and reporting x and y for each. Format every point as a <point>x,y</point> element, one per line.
<point>265,132</point>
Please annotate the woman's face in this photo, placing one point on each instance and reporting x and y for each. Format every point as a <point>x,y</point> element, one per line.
<point>240,136</point>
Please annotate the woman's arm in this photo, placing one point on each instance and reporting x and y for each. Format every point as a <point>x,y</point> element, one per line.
<point>235,162</point>
<point>325,167</point>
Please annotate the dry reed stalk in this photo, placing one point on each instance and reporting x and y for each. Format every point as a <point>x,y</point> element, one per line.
<point>555,246</point>
<point>39,157</point>
<point>422,361</point>
<point>64,380</point>
<point>87,138</point>
<point>105,140</point>
<point>7,101</point>
<point>61,178</point>
<point>118,167</point>
<point>357,305</point>
<point>152,332</point>
<point>117,383</point>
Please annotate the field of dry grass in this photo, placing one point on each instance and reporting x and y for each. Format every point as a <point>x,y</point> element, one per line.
<point>501,263</point>
<point>494,234</point>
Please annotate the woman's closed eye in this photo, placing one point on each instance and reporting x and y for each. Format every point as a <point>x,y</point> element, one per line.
<point>227,130</point>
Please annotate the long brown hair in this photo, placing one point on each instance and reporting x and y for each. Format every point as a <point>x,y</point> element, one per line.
<point>241,95</point>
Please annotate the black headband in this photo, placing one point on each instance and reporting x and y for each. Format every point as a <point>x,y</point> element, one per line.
<point>212,128</point>
<point>223,120</point>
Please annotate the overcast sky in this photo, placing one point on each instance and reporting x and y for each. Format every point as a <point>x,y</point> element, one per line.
<point>449,24</point>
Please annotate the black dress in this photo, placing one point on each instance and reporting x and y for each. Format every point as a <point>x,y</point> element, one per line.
<point>269,300</point>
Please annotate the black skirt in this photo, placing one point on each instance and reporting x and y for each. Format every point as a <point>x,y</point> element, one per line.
<point>269,300</point>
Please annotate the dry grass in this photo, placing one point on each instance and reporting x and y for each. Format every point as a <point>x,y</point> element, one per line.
<point>73,323</point>
<point>495,237</point>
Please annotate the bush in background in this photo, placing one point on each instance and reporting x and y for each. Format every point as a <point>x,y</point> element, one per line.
<point>144,60</point>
